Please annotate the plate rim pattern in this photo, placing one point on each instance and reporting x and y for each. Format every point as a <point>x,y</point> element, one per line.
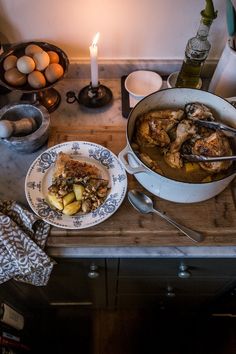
<point>98,154</point>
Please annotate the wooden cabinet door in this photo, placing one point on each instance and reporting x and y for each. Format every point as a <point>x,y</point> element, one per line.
<point>166,283</point>
<point>21,295</point>
<point>77,282</point>
<point>203,267</point>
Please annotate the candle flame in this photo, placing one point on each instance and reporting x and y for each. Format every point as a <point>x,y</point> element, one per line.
<point>95,39</point>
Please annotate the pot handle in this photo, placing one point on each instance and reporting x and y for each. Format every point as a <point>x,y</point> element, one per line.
<point>132,170</point>
<point>232,100</point>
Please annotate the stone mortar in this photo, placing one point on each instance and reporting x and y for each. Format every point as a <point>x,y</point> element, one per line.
<point>33,141</point>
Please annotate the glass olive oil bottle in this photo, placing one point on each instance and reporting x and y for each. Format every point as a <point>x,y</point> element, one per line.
<point>197,50</point>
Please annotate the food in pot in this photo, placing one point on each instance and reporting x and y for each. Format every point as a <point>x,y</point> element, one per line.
<point>216,144</point>
<point>154,126</point>
<point>197,110</point>
<point>76,186</point>
<point>162,136</point>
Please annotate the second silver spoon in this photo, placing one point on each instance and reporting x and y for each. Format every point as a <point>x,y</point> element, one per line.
<point>144,205</point>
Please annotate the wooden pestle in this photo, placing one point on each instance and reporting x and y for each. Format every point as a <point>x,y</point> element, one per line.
<point>22,126</point>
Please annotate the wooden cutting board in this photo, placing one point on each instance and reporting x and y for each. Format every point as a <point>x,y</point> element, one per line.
<point>113,138</point>
<point>215,218</point>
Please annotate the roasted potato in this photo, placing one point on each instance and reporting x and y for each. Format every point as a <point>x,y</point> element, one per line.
<point>54,201</point>
<point>191,167</point>
<point>207,179</point>
<point>78,190</point>
<point>68,198</point>
<point>72,208</point>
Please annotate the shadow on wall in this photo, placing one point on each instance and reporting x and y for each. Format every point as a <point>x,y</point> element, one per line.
<point>8,33</point>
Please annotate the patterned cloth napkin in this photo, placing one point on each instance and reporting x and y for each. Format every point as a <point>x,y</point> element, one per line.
<point>22,240</point>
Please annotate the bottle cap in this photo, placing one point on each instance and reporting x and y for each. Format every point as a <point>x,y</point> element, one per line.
<point>209,13</point>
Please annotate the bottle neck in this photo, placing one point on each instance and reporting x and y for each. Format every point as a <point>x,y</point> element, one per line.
<point>203,30</point>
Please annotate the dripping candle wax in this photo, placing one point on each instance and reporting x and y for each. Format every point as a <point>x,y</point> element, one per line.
<point>94,60</point>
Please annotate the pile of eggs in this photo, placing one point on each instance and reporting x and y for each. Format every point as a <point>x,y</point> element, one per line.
<point>36,67</point>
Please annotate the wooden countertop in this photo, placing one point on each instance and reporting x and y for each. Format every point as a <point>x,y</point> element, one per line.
<point>215,218</point>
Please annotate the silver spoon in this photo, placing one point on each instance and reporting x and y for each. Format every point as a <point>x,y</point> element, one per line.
<point>144,205</point>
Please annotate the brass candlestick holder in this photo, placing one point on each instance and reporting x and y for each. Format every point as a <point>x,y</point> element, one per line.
<point>91,97</point>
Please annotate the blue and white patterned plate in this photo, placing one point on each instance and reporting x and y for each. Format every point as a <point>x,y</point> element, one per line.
<point>39,178</point>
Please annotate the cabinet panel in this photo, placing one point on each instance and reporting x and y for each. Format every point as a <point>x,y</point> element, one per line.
<point>164,267</point>
<point>17,294</point>
<point>74,282</point>
<point>132,282</point>
<point>177,304</point>
<point>181,286</point>
<point>151,282</point>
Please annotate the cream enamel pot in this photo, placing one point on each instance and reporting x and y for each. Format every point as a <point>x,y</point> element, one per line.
<point>164,187</point>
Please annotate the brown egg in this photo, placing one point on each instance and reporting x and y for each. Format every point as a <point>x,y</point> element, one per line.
<point>53,56</point>
<point>41,60</point>
<point>25,64</point>
<point>9,62</point>
<point>53,72</point>
<point>31,49</point>
<point>36,79</point>
<point>14,77</point>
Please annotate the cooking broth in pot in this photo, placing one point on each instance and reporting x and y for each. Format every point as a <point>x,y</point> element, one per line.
<point>161,136</point>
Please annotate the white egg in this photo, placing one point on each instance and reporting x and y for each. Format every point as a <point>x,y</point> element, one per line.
<point>25,64</point>
<point>42,60</point>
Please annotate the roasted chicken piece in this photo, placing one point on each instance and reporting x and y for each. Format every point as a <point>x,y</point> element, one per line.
<point>153,127</point>
<point>173,159</point>
<point>216,144</point>
<point>151,163</point>
<point>198,110</point>
<point>66,166</point>
<point>185,130</point>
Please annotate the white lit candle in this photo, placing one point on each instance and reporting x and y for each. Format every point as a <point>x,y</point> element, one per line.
<point>94,61</point>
